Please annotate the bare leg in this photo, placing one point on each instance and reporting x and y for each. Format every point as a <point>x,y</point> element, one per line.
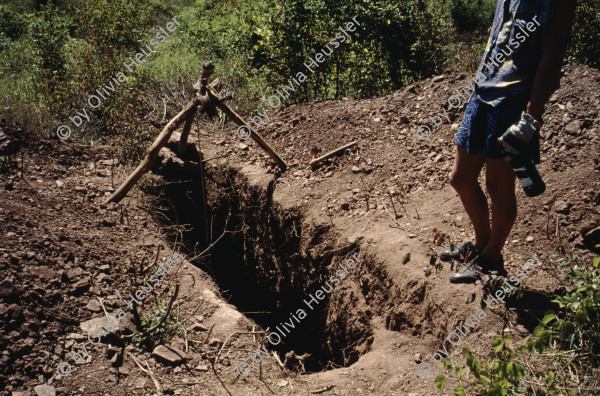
<point>464,179</point>
<point>500,184</point>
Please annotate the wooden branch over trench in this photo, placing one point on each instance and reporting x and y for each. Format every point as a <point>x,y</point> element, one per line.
<point>205,100</point>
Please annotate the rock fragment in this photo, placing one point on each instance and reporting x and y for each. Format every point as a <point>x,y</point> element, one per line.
<point>45,390</point>
<point>169,355</point>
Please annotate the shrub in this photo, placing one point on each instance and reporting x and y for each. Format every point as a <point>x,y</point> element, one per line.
<point>472,15</point>
<point>396,44</point>
<point>12,24</point>
<point>585,34</point>
<point>49,33</point>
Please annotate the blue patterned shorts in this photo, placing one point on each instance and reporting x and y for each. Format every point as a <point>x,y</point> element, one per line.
<point>483,124</point>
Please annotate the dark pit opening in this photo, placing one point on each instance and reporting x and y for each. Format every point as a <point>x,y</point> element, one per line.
<point>261,271</point>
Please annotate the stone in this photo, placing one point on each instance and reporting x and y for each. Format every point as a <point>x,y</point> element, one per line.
<point>355,169</point>
<point>198,327</point>
<point>139,383</point>
<point>83,284</point>
<point>93,306</point>
<point>76,337</point>
<point>110,162</point>
<point>45,390</point>
<point>125,325</point>
<point>169,355</point>
<point>102,277</point>
<point>573,128</point>
<point>74,273</point>
<point>366,168</point>
<point>562,207</point>
<point>7,289</point>
<point>202,367</point>
<point>43,272</point>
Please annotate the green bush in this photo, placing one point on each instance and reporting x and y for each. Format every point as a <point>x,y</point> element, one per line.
<point>49,33</point>
<point>577,324</point>
<point>585,35</point>
<point>12,24</point>
<point>396,44</point>
<point>472,15</point>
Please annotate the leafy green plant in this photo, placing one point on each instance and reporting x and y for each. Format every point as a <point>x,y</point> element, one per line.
<point>169,327</point>
<point>492,377</point>
<point>396,44</point>
<point>49,34</point>
<point>574,329</point>
<point>577,324</point>
<point>12,24</point>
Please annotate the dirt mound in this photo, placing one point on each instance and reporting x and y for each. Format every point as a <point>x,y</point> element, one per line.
<point>62,249</point>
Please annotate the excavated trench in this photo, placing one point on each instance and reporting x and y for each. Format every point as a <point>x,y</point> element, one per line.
<point>267,261</point>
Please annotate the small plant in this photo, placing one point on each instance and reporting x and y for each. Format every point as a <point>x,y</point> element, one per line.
<point>492,377</point>
<point>574,329</point>
<point>148,335</point>
<point>577,325</point>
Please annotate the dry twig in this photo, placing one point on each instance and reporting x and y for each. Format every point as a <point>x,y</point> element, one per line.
<point>156,326</point>
<point>149,372</point>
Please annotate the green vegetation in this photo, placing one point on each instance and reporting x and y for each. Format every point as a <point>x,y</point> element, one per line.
<point>168,328</point>
<point>55,53</point>
<point>495,377</point>
<point>472,15</point>
<point>585,34</point>
<point>565,347</point>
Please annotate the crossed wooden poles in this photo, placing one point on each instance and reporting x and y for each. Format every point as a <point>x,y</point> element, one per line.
<point>206,101</point>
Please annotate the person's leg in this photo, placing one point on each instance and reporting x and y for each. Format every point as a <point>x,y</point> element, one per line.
<point>463,179</point>
<point>500,184</point>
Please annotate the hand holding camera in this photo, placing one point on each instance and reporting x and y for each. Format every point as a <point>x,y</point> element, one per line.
<point>515,144</point>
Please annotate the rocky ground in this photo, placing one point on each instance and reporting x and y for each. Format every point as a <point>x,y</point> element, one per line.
<point>66,258</point>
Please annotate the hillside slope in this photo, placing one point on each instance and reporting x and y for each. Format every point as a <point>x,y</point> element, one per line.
<point>63,250</point>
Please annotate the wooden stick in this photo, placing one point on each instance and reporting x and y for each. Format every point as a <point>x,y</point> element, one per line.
<point>152,153</point>
<point>332,153</point>
<point>162,139</point>
<point>254,135</point>
<point>156,326</point>
<point>187,126</point>
<point>149,372</point>
<point>392,201</point>
<point>208,68</point>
